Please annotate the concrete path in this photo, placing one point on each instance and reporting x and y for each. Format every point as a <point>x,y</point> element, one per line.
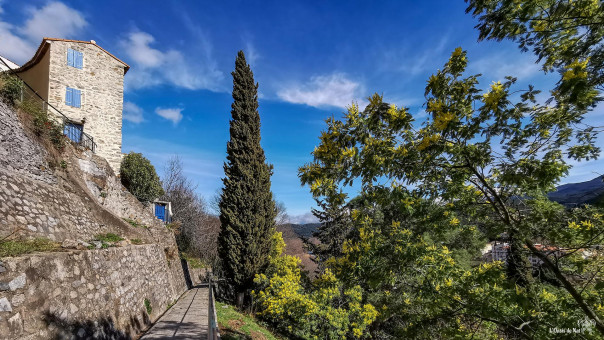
<point>187,319</point>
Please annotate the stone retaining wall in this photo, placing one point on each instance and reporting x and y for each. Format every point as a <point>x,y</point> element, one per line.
<point>83,293</point>
<point>198,275</point>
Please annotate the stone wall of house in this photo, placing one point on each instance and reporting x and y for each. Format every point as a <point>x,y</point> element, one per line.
<point>83,293</point>
<point>101,81</point>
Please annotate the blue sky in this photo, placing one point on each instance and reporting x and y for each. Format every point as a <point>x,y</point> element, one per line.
<point>311,59</point>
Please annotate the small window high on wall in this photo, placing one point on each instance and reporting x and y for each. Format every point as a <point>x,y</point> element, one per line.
<point>73,97</point>
<point>75,58</point>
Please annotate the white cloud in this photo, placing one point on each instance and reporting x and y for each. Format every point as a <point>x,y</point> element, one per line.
<point>133,113</point>
<point>153,67</point>
<point>18,42</point>
<point>172,114</point>
<point>303,218</point>
<point>54,20</point>
<point>329,90</point>
<point>139,50</point>
<point>251,55</point>
<point>497,66</point>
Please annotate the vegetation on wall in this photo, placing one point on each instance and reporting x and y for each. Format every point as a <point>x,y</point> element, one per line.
<point>247,208</point>
<point>11,88</point>
<point>139,177</point>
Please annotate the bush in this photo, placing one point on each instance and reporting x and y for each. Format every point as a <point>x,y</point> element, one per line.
<point>325,310</point>
<point>10,88</point>
<point>139,177</point>
<point>42,125</point>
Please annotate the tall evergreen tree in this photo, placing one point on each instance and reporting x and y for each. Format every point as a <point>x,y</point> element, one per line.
<point>247,209</point>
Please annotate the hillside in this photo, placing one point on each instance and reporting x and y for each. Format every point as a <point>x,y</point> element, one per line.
<point>293,235</point>
<point>572,194</point>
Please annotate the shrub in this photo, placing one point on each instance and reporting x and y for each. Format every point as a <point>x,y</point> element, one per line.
<point>10,88</point>
<point>139,177</point>
<point>42,125</point>
<point>302,312</point>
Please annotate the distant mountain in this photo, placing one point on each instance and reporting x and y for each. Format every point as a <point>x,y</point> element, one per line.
<point>305,230</point>
<point>573,194</point>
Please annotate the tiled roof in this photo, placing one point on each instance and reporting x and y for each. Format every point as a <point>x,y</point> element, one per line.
<point>43,46</point>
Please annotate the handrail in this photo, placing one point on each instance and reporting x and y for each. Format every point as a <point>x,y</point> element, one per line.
<point>86,140</point>
<point>213,331</point>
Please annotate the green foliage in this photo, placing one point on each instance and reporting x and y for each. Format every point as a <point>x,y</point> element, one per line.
<point>327,310</point>
<point>20,247</point>
<point>194,262</point>
<point>10,88</point>
<point>566,35</point>
<point>109,238</point>
<point>139,177</point>
<point>237,326</point>
<point>479,167</point>
<point>136,241</point>
<point>148,307</point>
<point>134,223</point>
<point>247,209</point>
<point>43,125</point>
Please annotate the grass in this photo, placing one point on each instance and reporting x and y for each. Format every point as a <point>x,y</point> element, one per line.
<point>148,306</point>
<point>237,326</point>
<point>20,247</point>
<point>136,241</point>
<point>194,262</point>
<point>133,222</point>
<point>108,238</point>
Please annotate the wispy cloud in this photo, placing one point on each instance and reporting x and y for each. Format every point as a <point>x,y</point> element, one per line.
<point>172,114</point>
<point>495,67</point>
<point>251,54</point>
<point>55,19</point>
<point>413,60</point>
<point>133,113</point>
<point>322,91</point>
<point>153,66</point>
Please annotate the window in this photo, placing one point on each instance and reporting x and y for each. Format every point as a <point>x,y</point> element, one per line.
<point>73,131</point>
<point>73,97</point>
<point>75,58</point>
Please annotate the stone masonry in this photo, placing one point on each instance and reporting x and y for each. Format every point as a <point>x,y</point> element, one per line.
<point>78,294</point>
<point>101,81</point>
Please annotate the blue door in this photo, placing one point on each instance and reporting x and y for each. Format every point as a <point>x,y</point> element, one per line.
<point>160,211</point>
<point>73,131</point>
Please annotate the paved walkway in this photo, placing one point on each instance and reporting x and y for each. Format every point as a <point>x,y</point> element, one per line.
<point>187,319</point>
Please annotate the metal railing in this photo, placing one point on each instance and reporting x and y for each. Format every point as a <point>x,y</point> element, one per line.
<point>29,94</point>
<point>213,331</point>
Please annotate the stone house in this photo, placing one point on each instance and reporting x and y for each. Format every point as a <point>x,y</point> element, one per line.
<point>86,84</point>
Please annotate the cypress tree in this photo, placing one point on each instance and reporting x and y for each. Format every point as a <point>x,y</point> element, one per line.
<point>247,209</point>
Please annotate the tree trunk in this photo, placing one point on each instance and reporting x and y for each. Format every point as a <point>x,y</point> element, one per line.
<point>518,268</point>
<point>240,298</point>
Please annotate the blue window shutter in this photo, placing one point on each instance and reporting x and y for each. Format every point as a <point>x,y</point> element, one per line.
<point>77,98</point>
<point>69,97</point>
<point>79,59</point>
<point>70,61</point>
